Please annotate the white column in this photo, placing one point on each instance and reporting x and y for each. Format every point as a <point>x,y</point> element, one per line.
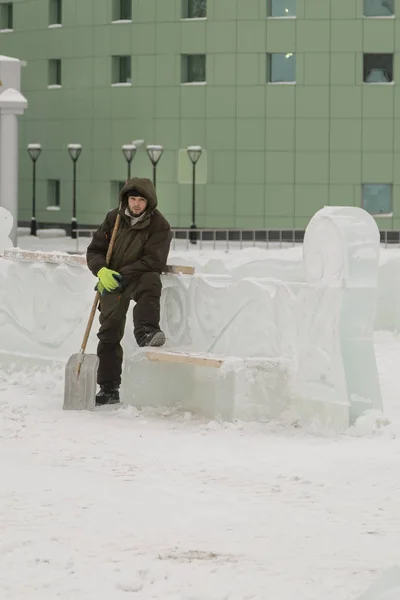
<point>9,167</point>
<point>12,104</point>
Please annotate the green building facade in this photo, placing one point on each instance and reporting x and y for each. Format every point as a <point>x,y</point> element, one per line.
<point>296,104</point>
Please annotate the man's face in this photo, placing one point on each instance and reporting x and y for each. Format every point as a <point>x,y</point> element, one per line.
<point>137,205</point>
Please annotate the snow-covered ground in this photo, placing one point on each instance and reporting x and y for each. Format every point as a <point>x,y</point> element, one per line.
<point>120,504</point>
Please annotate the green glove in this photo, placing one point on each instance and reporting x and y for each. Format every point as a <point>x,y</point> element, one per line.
<point>110,280</point>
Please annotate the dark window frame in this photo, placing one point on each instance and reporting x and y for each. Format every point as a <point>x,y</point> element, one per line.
<point>269,69</point>
<point>389,186</point>
<point>122,10</point>
<point>121,69</point>
<point>270,10</point>
<point>54,71</point>
<point>378,61</point>
<point>188,68</point>
<point>116,186</point>
<point>54,192</point>
<point>7,16</point>
<point>55,12</point>
<point>390,5</point>
<point>194,9</point>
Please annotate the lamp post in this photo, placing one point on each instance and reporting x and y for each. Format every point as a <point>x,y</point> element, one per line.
<point>155,153</point>
<point>74,152</point>
<point>34,151</point>
<point>129,151</point>
<point>194,153</point>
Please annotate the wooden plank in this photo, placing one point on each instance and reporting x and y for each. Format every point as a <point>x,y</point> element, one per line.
<point>184,358</point>
<point>74,259</point>
<point>177,269</point>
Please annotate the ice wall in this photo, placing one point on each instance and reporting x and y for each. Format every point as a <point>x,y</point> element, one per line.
<point>289,348</point>
<point>287,265</point>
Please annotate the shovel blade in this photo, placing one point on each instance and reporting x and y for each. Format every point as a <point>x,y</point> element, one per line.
<point>80,390</point>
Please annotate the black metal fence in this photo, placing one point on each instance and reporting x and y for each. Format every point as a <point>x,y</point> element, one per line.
<point>218,238</point>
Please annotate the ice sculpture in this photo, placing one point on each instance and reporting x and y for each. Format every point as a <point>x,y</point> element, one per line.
<point>341,250</point>
<point>297,350</point>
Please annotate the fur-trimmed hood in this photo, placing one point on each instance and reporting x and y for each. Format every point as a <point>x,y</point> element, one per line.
<point>144,188</point>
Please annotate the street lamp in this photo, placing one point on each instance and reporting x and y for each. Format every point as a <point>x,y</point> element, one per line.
<point>34,151</point>
<point>194,153</point>
<point>74,152</point>
<point>155,153</point>
<point>129,151</point>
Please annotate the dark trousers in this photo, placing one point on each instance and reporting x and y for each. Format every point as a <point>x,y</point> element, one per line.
<point>146,292</point>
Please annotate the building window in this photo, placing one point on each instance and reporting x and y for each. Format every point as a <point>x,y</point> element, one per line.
<point>378,8</point>
<point>193,68</point>
<point>116,187</point>
<point>55,72</point>
<point>281,68</point>
<point>194,9</point>
<point>378,68</point>
<point>377,198</point>
<point>53,193</point>
<point>281,8</point>
<point>6,16</point>
<point>121,69</point>
<point>122,10</point>
<point>55,12</point>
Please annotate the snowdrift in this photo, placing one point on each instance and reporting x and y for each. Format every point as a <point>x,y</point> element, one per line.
<point>299,349</point>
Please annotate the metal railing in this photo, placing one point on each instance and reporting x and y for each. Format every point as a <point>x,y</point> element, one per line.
<point>237,239</point>
<point>390,238</point>
<point>83,233</point>
<point>222,239</point>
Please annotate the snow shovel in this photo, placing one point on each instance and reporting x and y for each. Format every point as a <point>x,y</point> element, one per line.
<point>81,369</point>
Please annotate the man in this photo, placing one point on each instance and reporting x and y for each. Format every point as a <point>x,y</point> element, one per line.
<point>139,256</point>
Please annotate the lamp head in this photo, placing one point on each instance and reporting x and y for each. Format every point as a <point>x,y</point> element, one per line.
<point>129,151</point>
<point>194,153</point>
<point>74,151</point>
<point>154,153</point>
<point>35,151</point>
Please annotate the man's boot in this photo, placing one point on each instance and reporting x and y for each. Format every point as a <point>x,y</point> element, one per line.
<point>155,338</point>
<point>108,394</point>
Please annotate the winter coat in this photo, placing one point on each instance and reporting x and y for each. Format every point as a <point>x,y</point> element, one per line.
<point>138,248</point>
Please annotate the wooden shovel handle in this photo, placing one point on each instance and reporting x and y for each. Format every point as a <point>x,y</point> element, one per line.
<point>97,297</point>
<point>113,236</point>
